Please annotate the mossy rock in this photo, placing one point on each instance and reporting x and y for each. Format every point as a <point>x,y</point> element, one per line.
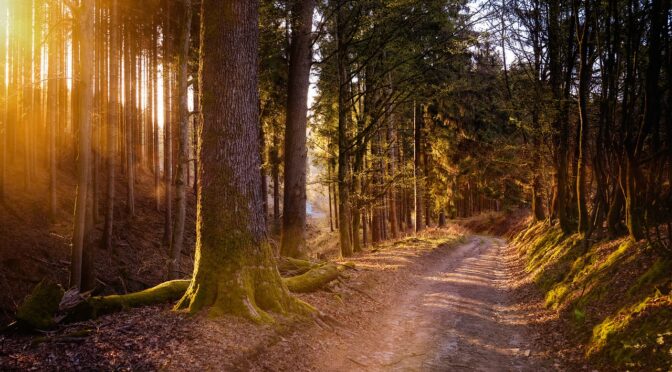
<point>38,309</point>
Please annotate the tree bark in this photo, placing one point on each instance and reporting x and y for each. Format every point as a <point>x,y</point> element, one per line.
<point>235,272</point>
<point>343,143</point>
<point>293,235</point>
<point>112,126</point>
<point>80,241</point>
<point>417,170</point>
<point>183,154</point>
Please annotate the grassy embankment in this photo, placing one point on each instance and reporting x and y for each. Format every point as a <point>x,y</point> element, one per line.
<point>615,294</point>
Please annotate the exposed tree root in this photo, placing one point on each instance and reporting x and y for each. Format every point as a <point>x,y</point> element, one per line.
<point>165,292</point>
<point>289,266</point>
<point>314,279</point>
<point>40,308</point>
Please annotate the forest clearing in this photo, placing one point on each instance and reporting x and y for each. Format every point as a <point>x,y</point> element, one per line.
<point>430,185</point>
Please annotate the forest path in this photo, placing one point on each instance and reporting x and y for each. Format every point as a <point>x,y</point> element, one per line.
<point>459,315</point>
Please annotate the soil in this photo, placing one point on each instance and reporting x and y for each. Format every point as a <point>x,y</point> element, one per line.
<point>407,306</point>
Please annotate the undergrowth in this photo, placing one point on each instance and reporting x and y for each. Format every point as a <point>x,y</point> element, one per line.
<point>614,294</point>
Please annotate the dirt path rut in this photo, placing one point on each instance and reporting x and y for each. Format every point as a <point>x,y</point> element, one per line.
<point>459,315</point>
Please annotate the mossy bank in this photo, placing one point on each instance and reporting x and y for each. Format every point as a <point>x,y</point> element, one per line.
<point>614,295</point>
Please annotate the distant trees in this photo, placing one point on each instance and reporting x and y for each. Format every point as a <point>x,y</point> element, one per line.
<point>605,109</point>
<point>378,58</point>
<point>121,53</point>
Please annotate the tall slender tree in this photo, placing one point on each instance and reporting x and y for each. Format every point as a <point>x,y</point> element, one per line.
<point>183,148</point>
<point>80,269</point>
<point>112,124</point>
<point>293,238</point>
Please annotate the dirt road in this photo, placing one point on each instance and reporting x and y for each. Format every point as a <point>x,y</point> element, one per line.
<point>457,315</point>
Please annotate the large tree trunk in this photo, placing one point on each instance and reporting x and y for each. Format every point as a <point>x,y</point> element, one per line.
<point>235,272</point>
<point>293,235</point>
<point>82,230</point>
<point>183,154</point>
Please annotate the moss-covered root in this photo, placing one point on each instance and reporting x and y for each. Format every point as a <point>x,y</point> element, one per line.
<point>248,291</point>
<point>314,279</point>
<point>292,266</point>
<point>162,293</point>
<point>38,309</point>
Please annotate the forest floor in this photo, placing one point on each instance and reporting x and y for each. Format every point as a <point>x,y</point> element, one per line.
<point>435,302</point>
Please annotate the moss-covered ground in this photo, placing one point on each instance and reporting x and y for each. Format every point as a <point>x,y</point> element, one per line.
<point>615,295</point>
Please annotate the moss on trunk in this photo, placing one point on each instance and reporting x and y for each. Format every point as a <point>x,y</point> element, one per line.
<point>246,286</point>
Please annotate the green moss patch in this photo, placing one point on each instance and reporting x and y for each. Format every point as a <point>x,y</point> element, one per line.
<point>614,295</point>
<point>314,279</point>
<point>39,308</point>
<point>637,336</point>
